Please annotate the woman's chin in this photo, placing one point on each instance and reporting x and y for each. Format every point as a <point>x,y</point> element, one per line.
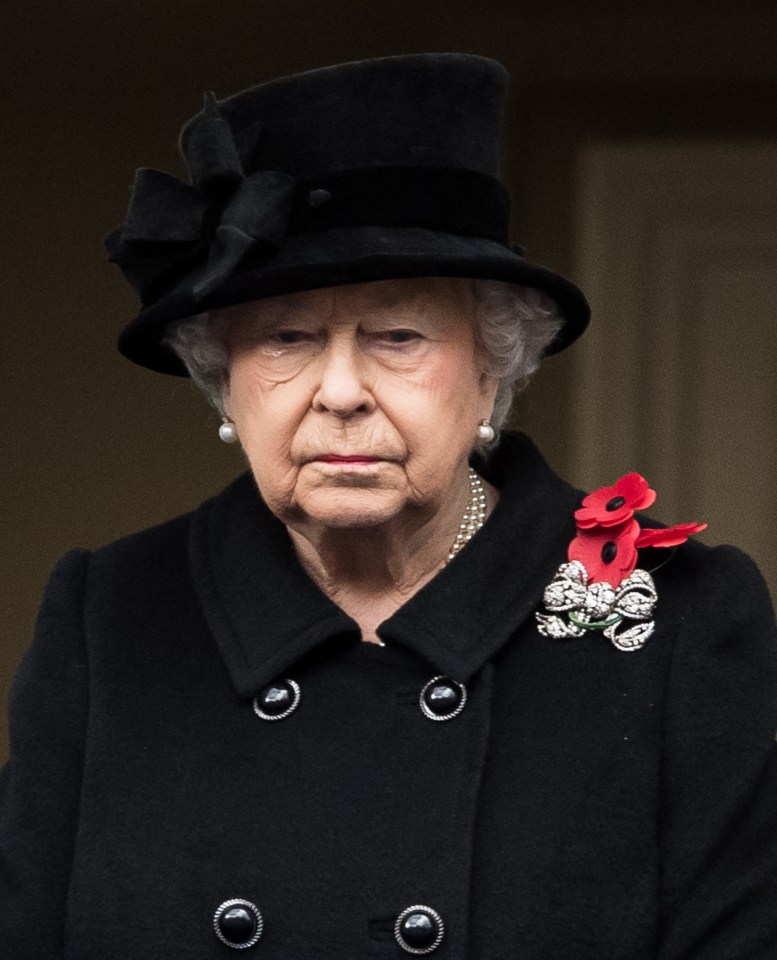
<point>352,508</point>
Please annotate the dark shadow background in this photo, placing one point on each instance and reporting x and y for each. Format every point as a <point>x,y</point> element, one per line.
<point>92,89</point>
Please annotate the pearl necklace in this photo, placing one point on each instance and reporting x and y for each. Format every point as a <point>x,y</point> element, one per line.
<point>474,515</point>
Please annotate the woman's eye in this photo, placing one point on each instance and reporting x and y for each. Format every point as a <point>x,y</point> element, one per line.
<point>286,344</point>
<point>291,336</point>
<point>284,340</point>
<point>400,336</point>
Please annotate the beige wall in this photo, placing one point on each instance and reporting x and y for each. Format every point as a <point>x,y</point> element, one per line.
<point>95,448</point>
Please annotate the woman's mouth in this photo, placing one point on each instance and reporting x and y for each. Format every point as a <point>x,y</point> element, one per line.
<point>354,458</point>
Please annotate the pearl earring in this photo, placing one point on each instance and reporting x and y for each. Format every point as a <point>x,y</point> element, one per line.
<point>227,431</point>
<point>486,432</point>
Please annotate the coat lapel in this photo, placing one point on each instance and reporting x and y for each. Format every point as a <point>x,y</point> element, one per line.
<point>470,609</point>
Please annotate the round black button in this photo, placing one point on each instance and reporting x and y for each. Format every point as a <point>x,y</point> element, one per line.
<point>277,700</point>
<point>419,929</point>
<point>238,923</point>
<point>319,198</point>
<point>443,698</point>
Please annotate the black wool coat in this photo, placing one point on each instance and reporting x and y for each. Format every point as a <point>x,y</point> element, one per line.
<point>585,804</point>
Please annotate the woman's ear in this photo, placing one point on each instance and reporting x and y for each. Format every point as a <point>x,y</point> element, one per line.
<point>488,387</point>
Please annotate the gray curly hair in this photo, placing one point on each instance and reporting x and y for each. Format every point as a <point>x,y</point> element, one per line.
<point>515,326</point>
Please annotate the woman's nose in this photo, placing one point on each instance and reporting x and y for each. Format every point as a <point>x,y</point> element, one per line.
<point>343,387</point>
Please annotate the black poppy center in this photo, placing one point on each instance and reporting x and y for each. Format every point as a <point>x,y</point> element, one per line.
<point>615,504</point>
<point>609,551</point>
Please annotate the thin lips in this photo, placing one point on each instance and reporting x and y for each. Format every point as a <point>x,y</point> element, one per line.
<point>347,458</point>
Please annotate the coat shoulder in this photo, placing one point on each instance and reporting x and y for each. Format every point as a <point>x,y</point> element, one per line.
<point>712,580</point>
<point>157,550</point>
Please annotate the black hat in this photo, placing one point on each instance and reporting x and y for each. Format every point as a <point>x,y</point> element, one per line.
<point>374,170</point>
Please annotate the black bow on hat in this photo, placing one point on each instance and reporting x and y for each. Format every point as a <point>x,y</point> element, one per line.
<point>172,226</point>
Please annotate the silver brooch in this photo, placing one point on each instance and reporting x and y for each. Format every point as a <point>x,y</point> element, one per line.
<point>623,613</point>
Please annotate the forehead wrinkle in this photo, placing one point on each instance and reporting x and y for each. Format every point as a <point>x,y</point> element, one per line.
<point>272,310</point>
<point>382,294</point>
<point>312,303</point>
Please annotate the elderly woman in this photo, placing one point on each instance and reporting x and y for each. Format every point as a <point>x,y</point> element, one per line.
<point>399,689</point>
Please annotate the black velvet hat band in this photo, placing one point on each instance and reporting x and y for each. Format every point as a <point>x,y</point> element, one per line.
<point>453,201</point>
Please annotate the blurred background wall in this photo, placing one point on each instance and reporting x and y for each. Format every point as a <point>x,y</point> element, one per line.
<point>601,95</point>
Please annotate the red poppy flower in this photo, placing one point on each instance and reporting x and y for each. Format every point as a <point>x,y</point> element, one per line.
<point>609,506</point>
<point>669,536</point>
<point>607,553</point>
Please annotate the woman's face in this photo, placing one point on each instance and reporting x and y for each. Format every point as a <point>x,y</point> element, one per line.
<point>355,404</point>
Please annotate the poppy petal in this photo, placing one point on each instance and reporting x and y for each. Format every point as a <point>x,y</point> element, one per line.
<point>668,536</point>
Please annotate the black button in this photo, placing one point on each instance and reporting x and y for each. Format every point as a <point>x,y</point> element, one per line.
<point>277,700</point>
<point>443,698</point>
<point>238,923</point>
<point>419,929</point>
<point>319,198</point>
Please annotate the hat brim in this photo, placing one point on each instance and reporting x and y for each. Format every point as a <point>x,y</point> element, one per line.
<point>352,255</point>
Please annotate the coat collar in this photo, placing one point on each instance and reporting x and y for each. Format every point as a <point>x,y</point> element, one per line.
<point>266,613</point>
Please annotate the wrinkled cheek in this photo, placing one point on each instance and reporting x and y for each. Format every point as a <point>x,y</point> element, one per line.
<point>278,484</point>
<point>273,423</point>
<point>268,452</point>
<point>455,385</point>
